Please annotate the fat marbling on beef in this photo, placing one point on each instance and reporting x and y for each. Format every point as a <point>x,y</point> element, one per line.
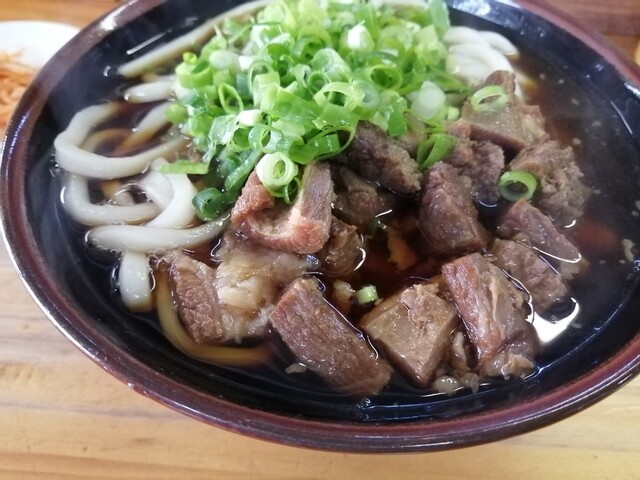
<point>494,314</point>
<point>300,228</point>
<point>323,340</point>
<point>413,327</point>
<point>232,301</point>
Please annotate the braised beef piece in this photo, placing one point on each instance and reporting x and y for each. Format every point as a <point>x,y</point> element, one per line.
<point>544,284</point>
<point>254,198</point>
<point>250,278</point>
<point>343,251</point>
<point>561,194</point>
<point>193,286</point>
<point>527,224</point>
<point>231,302</point>
<point>358,201</point>
<point>413,328</point>
<point>300,228</point>
<point>482,162</point>
<point>447,218</point>
<point>513,127</point>
<point>494,315</point>
<point>325,342</point>
<point>378,157</point>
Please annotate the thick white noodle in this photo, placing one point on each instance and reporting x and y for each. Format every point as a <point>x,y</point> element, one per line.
<point>169,50</point>
<point>500,43</point>
<point>474,63</point>
<point>179,212</point>
<point>474,54</point>
<point>157,187</point>
<point>462,35</point>
<point>134,281</point>
<point>467,35</point>
<point>154,121</point>
<point>154,239</point>
<point>76,201</point>
<point>149,92</point>
<point>74,159</point>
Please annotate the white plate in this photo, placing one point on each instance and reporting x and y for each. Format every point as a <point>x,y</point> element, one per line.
<point>37,41</point>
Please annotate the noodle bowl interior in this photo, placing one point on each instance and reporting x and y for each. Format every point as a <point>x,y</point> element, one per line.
<point>407,222</point>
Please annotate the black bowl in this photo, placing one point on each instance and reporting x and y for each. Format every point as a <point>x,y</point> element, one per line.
<point>591,93</point>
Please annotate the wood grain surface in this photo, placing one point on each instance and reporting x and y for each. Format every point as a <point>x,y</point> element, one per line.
<point>62,417</point>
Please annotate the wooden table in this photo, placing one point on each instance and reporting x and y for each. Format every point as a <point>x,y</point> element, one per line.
<point>62,417</point>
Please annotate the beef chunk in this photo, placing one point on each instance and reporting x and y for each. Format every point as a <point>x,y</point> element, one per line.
<point>323,340</point>
<point>513,127</point>
<point>359,201</point>
<point>561,194</point>
<point>482,162</point>
<point>378,157</point>
<point>193,286</point>
<point>250,278</point>
<point>343,251</point>
<point>413,327</point>
<point>493,312</point>
<point>300,228</point>
<point>543,283</point>
<point>447,218</point>
<point>527,224</point>
<point>254,198</point>
<point>231,302</point>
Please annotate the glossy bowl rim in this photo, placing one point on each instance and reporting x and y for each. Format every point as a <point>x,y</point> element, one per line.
<point>424,435</point>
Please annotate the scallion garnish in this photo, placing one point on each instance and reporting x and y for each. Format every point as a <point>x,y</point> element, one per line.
<point>367,295</point>
<point>289,84</point>
<point>516,185</point>
<point>276,171</point>
<point>491,98</point>
<point>434,149</point>
<point>211,203</point>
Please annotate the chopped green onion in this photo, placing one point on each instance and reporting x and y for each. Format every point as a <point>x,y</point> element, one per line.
<point>289,84</point>
<point>385,77</point>
<point>516,185</point>
<point>176,113</point>
<point>428,101</point>
<point>358,39</point>
<point>235,179</point>
<point>276,170</point>
<point>230,99</point>
<point>185,166</point>
<point>491,98</point>
<point>434,149</point>
<point>194,75</point>
<point>440,16</point>
<point>211,203</point>
<point>367,294</point>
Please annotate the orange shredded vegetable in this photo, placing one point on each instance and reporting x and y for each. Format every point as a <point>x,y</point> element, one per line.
<point>14,78</point>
